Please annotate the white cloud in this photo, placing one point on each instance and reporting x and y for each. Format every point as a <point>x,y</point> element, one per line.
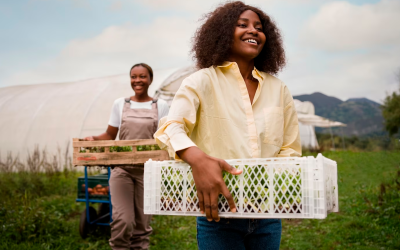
<point>313,65</point>
<point>369,75</point>
<point>200,7</point>
<point>348,51</point>
<point>115,50</point>
<point>343,26</point>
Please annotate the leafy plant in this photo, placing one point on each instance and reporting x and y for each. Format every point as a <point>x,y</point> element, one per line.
<point>286,191</point>
<point>391,113</point>
<point>119,149</point>
<point>147,148</point>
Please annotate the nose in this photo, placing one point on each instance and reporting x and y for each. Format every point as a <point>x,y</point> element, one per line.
<point>252,31</point>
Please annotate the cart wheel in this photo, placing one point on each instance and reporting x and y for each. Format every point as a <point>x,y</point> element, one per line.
<point>84,227</point>
<point>104,209</point>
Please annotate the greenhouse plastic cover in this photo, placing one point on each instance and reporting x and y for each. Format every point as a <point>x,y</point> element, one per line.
<point>50,115</point>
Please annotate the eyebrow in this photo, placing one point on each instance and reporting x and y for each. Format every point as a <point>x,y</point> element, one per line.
<point>245,19</point>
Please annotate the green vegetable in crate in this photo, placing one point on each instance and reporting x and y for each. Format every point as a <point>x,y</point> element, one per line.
<point>121,149</point>
<point>92,150</point>
<point>257,194</point>
<point>147,147</point>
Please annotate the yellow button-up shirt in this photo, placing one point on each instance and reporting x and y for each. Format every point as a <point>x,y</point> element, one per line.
<point>212,110</point>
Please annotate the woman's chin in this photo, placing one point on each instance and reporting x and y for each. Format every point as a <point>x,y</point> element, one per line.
<point>139,92</point>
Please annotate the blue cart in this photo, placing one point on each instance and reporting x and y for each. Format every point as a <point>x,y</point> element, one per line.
<point>90,218</point>
<point>106,153</point>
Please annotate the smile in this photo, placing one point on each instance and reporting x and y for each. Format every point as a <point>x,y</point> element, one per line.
<point>252,41</point>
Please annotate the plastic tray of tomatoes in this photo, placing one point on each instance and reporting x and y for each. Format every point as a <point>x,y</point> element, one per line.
<point>97,187</point>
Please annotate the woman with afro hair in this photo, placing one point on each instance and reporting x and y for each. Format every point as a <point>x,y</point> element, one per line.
<point>232,108</point>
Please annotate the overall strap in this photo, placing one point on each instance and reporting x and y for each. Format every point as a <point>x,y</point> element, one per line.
<point>126,108</point>
<point>154,104</point>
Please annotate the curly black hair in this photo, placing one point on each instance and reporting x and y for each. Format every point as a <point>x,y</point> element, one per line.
<point>213,40</point>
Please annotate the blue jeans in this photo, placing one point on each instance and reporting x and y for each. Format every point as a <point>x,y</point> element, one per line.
<point>239,234</point>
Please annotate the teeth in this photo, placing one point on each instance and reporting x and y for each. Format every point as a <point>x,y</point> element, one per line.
<point>251,41</point>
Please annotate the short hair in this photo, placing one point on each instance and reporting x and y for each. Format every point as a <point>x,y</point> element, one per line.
<point>213,40</point>
<point>149,69</point>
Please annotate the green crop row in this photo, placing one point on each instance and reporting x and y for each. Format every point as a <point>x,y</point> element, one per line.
<point>147,148</point>
<point>119,149</point>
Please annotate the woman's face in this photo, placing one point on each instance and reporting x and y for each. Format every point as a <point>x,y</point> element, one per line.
<point>248,39</point>
<point>140,80</point>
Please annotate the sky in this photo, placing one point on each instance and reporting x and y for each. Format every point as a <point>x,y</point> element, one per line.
<point>346,49</point>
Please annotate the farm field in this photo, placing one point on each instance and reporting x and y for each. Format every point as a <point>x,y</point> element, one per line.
<point>38,211</point>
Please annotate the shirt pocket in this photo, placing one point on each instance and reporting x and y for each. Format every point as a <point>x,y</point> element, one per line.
<point>274,123</point>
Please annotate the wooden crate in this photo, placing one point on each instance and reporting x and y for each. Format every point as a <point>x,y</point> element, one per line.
<point>108,158</point>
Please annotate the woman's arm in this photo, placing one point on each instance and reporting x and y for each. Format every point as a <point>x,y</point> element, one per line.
<point>174,133</point>
<point>110,134</point>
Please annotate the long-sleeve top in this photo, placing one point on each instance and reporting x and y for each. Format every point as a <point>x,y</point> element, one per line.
<point>212,110</point>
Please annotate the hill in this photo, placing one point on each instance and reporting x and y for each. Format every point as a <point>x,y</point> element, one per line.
<point>362,116</point>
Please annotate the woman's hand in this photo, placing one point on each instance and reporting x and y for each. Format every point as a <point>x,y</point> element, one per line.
<point>110,134</point>
<point>207,175</point>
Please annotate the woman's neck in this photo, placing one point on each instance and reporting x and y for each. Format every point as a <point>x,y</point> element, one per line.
<point>246,67</point>
<point>141,98</point>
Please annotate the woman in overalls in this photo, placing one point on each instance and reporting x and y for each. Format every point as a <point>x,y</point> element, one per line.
<point>135,117</point>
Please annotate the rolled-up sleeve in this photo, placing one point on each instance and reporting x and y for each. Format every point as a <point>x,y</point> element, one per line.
<point>291,135</point>
<point>174,130</point>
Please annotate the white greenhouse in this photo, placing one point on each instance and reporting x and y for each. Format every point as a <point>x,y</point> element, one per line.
<point>50,115</point>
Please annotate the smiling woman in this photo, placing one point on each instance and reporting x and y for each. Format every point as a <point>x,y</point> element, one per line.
<point>141,77</point>
<point>213,41</point>
<point>232,108</point>
<point>134,117</point>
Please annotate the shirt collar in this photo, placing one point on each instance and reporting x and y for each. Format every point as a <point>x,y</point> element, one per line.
<point>226,64</point>
<point>256,73</point>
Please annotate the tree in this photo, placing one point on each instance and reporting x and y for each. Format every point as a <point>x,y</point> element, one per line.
<point>391,111</point>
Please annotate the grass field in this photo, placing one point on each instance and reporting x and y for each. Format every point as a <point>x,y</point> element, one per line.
<point>38,211</point>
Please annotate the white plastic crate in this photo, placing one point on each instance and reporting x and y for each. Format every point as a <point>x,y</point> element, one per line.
<point>297,187</point>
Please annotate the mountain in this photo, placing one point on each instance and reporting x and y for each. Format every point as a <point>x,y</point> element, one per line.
<point>362,116</point>
<point>320,101</point>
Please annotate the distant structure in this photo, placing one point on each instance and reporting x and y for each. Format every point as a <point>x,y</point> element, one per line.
<point>308,121</point>
<point>172,83</point>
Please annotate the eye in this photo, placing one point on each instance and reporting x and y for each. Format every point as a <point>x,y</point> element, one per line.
<point>142,76</point>
<point>242,25</point>
<point>259,29</point>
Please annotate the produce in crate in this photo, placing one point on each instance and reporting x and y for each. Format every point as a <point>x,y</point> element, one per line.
<point>276,187</point>
<point>120,152</point>
<point>97,187</point>
<point>119,149</point>
<point>97,190</point>
<point>256,194</point>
